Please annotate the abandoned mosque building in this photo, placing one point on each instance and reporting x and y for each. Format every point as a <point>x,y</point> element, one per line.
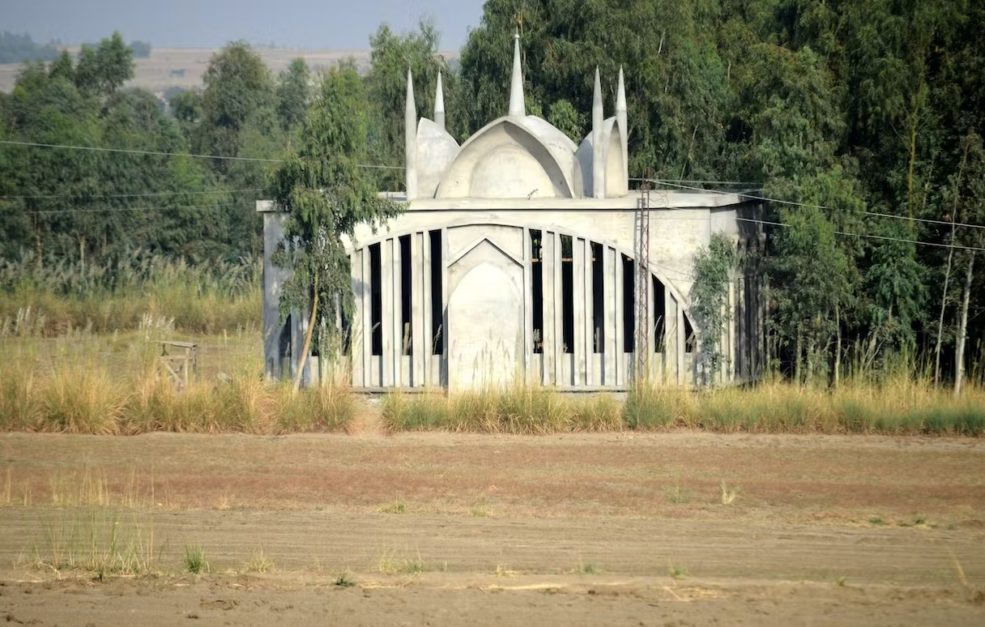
<point>523,258</point>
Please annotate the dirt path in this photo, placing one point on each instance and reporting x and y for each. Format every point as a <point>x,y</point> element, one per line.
<point>460,529</point>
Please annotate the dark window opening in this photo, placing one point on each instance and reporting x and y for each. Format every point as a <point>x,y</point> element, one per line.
<point>284,343</point>
<point>598,299</point>
<point>537,287</point>
<point>376,299</point>
<point>628,304</point>
<point>406,295</point>
<point>690,340</point>
<point>437,297</point>
<point>567,296</point>
<point>346,328</point>
<point>659,320</point>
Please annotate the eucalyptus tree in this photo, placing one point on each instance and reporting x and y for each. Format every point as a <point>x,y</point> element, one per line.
<point>386,85</point>
<point>326,194</point>
<point>676,84</point>
<point>293,93</point>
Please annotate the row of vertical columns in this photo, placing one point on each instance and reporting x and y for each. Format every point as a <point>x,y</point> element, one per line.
<point>392,368</point>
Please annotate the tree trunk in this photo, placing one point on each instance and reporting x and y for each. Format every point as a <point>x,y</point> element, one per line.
<point>837,373</point>
<point>940,318</point>
<point>796,367</point>
<point>312,319</point>
<point>963,328</point>
<point>811,355</point>
<point>947,271</point>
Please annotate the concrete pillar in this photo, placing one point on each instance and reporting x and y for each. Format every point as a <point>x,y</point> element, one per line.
<point>528,314</point>
<point>611,311</point>
<point>580,365</point>
<point>356,323</point>
<point>418,344</point>
<point>386,281</point>
<point>396,314</point>
<point>681,344</point>
<point>651,320</point>
<point>589,309</point>
<point>620,370</point>
<point>671,347</point>
<point>557,293</point>
<point>370,376</point>
<point>445,330</point>
<point>549,354</point>
<point>428,348</point>
<point>732,316</point>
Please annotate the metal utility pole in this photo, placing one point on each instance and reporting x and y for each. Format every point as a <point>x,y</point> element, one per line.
<point>642,283</point>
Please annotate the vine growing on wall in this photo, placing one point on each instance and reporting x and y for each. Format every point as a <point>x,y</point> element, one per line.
<point>713,267</point>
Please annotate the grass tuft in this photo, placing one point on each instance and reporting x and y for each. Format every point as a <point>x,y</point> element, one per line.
<point>195,561</point>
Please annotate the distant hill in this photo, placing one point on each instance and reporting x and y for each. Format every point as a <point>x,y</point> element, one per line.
<point>183,68</point>
<point>15,48</point>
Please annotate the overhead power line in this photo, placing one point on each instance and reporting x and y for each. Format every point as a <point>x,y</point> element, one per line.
<point>160,153</point>
<point>872,236</point>
<point>141,195</point>
<point>150,209</point>
<point>133,151</point>
<point>809,205</point>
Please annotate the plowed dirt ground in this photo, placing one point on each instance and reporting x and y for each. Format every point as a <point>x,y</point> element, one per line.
<point>455,529</point>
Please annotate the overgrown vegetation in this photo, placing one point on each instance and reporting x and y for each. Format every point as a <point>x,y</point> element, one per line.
<point>86,384</point>
<point>136,289</point>
<point>899,406</point>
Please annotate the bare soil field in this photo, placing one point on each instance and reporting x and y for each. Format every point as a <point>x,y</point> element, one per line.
<point>678,528</point>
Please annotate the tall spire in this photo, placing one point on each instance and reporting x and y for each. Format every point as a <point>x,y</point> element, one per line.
<point>410,139</point>
<point>517,106</point>
<point>623,123</point>
<point>598,154</point>
<point>439,104</point>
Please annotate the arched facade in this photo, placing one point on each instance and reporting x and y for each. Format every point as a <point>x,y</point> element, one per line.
<point>485,304</point>
<point>513,263</point>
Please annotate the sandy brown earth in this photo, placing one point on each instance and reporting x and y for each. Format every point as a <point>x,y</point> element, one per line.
<point>463,529</point>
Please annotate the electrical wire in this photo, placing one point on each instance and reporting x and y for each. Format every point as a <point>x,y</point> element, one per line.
<point>808,205</point>
<point>133,151</point>
<point>142,195</point>
<point>125,209</point>
<point>871,236</point>
<point>160,153</point>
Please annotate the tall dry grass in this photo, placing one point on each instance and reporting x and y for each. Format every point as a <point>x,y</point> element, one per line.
<point>901,405</point>
<point>112,385</point>
<point>520,410</point>
<point>58,297</point>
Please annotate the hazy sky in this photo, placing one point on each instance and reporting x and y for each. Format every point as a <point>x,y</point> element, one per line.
<point>211,23</point>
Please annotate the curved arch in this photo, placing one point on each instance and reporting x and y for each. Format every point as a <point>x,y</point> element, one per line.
<point>654,270</point>
<point>505,160</point>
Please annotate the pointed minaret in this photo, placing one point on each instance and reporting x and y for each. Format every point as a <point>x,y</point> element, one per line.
<point>598,155</point>
<point>517,106</point>
<point>623,123</point>
<point>439,104</point>
<point>410,139</point>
